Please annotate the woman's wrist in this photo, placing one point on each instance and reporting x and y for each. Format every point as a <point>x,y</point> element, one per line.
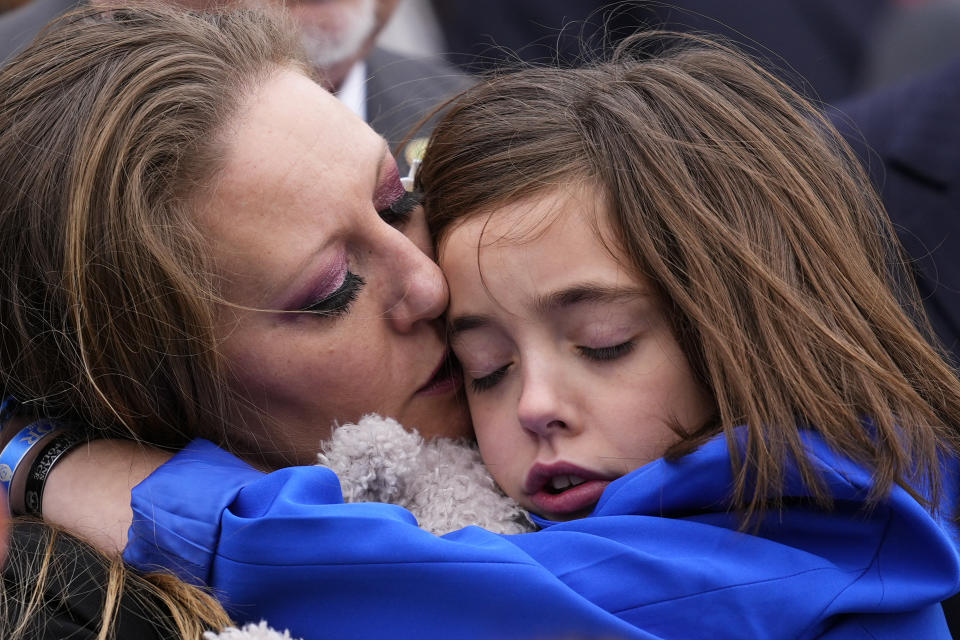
<point>19,437</point>
<point>88,491</point>
<point>29,448</point>
<point>86,487</point>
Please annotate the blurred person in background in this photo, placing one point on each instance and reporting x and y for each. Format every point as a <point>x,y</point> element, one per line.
<point>908,137</point>
<point>391,92</point>
<point>8,5</point>
<point>814,44</point>
<point>911,38</point>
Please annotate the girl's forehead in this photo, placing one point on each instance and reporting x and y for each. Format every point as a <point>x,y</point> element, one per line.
<point>525,220</point>
<point>564,231</point>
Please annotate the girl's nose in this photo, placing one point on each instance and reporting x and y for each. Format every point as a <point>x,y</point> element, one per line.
<point>542,407</point>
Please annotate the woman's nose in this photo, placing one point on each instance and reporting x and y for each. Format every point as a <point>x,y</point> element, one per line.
<point>419,290</point>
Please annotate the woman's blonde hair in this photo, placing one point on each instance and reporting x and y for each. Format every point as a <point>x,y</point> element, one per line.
<point>53,580</point>
<point>770,249</point>
<point>111,123</point>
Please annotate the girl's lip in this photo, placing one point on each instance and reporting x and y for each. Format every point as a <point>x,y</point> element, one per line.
<point>574,500</point>
<point>578,500</point>
<point>540,474</point>
<point>445,378</point>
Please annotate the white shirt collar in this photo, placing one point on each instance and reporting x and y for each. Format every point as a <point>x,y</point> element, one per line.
<point>353,91</point>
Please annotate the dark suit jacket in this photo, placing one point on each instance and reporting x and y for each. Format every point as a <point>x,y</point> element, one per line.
<point>822,41</point>
<point>908,137</point>
<point>401,91</point>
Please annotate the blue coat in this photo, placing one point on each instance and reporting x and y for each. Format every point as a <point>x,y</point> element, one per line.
<point>659,558</point>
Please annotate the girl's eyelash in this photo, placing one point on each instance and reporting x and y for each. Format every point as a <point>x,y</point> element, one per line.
<point>399,211</point>
<point>602,354</point>
<point>489,381</point>
<point>598,354</point>
<point>338,302</point>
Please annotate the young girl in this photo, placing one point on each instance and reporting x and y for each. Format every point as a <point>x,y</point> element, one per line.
<point>689,348</point>
<point>646,254</point>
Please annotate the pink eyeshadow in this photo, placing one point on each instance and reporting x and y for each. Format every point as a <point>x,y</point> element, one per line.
<point>322,285</point>
<point>389,189</point>
<point>331,279</point>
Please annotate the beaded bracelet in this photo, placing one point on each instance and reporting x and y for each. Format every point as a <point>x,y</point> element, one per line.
<point>59,446</point>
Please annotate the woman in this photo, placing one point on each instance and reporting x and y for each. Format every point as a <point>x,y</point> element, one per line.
<point>653,559</point>
<point>310,223</point>
<point>120,219</point>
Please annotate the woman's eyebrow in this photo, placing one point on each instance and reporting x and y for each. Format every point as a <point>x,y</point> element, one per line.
<point>387,179</point>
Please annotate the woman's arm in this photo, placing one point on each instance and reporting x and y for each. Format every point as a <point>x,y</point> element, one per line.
<point>88,491</point>
<point>283,547</point>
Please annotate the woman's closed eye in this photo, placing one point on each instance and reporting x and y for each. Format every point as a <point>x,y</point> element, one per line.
<point>398,213</point>
<point>338,302</point>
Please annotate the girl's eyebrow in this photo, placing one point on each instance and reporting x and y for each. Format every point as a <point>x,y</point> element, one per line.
<point>460,324</point>
<point>586,292</point>
<point>580,293</point>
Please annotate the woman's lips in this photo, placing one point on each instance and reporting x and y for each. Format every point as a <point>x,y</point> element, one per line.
<point>446,378</point>
<point>583,493</point>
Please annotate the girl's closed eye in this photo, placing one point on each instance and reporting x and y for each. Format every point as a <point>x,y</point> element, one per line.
<point>488,381</point>
<point>481,364</point>
<point>612,352</point>
<point>484,382</point>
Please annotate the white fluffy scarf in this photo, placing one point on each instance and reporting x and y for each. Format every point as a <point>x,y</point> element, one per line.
<point>442,482</point>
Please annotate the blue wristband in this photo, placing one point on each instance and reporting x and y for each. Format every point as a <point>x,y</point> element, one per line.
<point>17,449</point>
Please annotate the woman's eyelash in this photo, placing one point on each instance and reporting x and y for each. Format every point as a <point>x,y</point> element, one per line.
<point>601,354</point>
<point>399,211</point>
<point>338,302</point>
<point>488,381</point>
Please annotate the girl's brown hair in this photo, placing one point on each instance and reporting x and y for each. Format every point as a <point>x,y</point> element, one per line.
<point>110,124</point>
<point>739,201</point>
